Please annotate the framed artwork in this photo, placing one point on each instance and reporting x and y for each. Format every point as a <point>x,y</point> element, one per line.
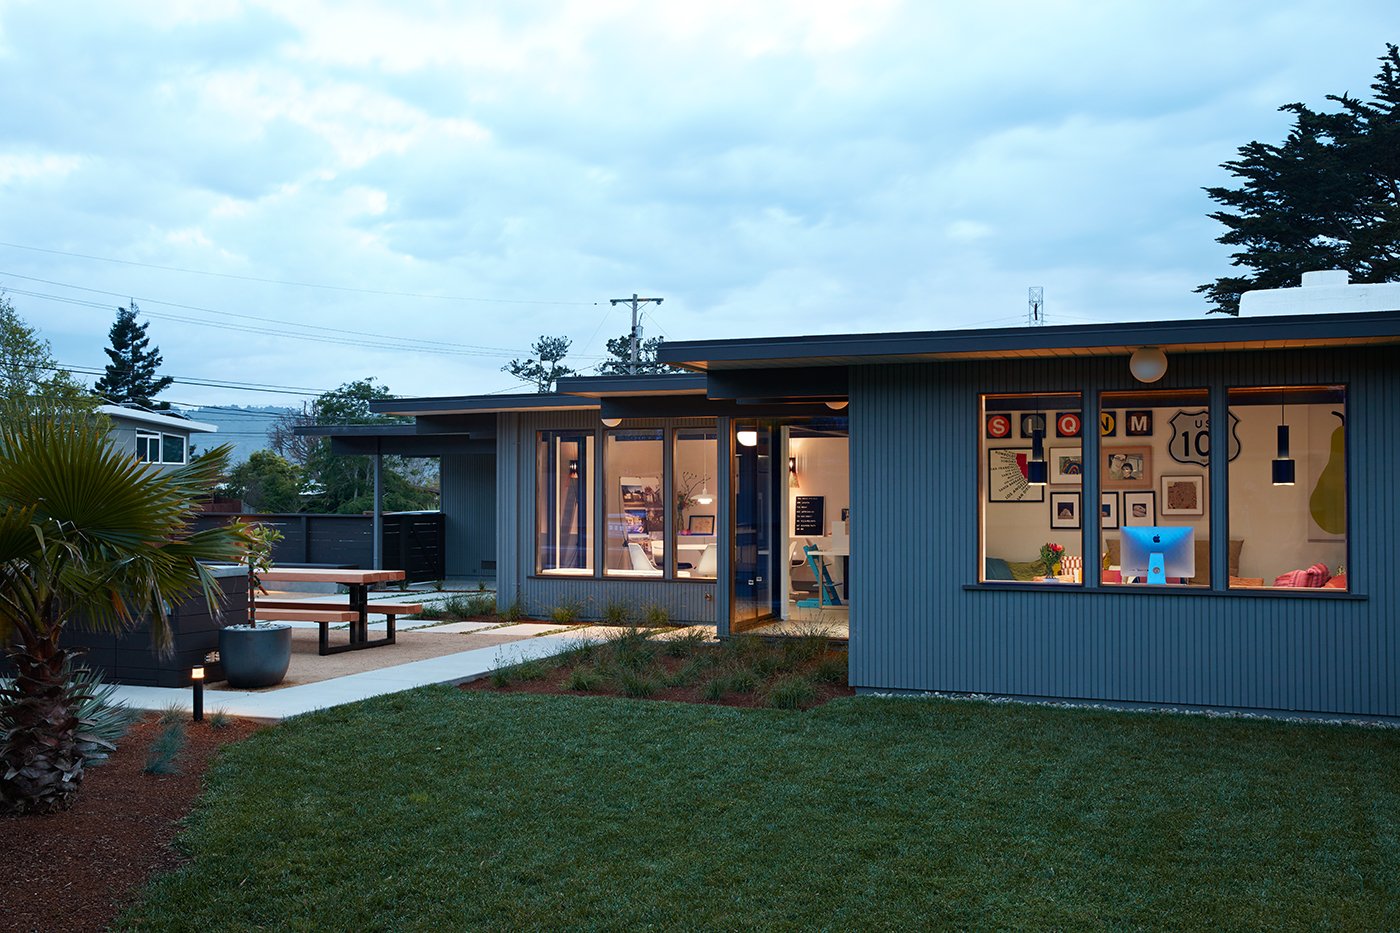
<point>1066,466</point>
<point>1140,508</point>
<point>1108,510</point>
<point>998,426</point>
<point>1032,423</point>
<point>640,491</point>
<point>1126,468</point>
<point>635,520</point>
<point>1068,424</point>
<point>700,524</point>
<point>1183,495</point>
<point>1064,510</point>
<point>1108,424</point>
<point>1007,480</point>
<point>1137,423</point>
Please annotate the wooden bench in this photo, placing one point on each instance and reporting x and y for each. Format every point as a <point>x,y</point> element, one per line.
<point>327,614</point>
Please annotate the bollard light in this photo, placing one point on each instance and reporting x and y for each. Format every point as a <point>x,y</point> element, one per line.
<point>197,681</point>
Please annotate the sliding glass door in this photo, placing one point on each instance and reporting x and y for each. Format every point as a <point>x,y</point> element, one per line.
<point>753,524</point>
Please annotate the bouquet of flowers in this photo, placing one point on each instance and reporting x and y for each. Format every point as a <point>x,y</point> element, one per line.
<point>1050,554</point>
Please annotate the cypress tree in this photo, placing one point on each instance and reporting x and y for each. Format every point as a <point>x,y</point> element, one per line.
<point>131,375</point>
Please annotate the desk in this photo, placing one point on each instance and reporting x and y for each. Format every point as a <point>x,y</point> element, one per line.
<point>838,547</point>
<point>358,582</point>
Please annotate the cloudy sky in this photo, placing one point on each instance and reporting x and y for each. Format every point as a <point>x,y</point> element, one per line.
<point>302,194</point>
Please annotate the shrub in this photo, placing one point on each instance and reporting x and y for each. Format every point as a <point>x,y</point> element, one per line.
<point>515,673</point>
<point>832,668</point>
<point>459,608</point>
<point>160,759</point>
<point>584,679</point>
<point>567,612</point>
<point>686,674</point>
<point>636,684</point>
<point>654,614</point>
<point>792,692</point>
<point>219,719</point>
<point>173,713</point>
<point>634,648</point>
<point>617,612</point>
<point>514,612</point>
<point>743,681</point>
<point>684,644</point>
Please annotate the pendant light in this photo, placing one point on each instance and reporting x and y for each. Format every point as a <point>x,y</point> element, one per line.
<point>1284,470</point>
<point>705,498</point>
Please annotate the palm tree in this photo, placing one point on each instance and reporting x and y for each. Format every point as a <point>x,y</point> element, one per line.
<point>86,531</point>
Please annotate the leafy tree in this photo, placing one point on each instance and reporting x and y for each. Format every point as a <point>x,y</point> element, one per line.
<point>1327,198</point>
<point>544,368</point>
<point>266,483</point>
<point>85,532</point>
<point>30,379</point>
<point>283,439</point>
<point>345,484</point>
<point>619,361</point>
<point>131,375</point>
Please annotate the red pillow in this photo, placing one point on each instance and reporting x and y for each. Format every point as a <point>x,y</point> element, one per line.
<point>1339,582</point>
<point>1315,576</point>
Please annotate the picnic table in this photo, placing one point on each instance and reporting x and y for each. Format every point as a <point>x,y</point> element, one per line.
<point>354,611</point>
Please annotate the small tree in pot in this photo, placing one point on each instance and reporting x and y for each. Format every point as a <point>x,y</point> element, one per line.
<point>256,654</point>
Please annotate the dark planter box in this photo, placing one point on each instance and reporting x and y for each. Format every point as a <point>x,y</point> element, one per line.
<point>129,658</point>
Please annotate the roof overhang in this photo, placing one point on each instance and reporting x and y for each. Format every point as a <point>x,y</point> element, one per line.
<point>157,419</point>
<point>404,440</point>
<point>481,404</point>
<point>663,384</point>
<point>1221,334</point>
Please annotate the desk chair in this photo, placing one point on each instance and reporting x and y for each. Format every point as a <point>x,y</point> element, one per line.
<point>826,587</point>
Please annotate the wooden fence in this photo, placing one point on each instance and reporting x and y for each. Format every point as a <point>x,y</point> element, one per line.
<point>413,541</point>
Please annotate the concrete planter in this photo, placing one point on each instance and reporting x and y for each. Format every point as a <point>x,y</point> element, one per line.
<point>255,656</point>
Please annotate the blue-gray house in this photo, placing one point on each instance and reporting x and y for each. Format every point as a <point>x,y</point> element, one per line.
<point>1216,499</point>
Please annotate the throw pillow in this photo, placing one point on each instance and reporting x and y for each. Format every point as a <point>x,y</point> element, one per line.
<point>1339,582</point>
<point>1315,576</point>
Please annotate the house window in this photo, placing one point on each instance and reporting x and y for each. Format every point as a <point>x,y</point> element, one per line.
<point>693,543</point>
<point>147,447</point>
<point>564,502</point>
<point>172,448</point>
<point>1288,488</point>
<point>635,500</point>
<point>1154,464</point>
<point>1032,496</point>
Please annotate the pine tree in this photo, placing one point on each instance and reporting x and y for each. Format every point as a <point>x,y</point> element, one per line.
<point>619,361</point>
<point>546,367</point>
<point>1327,198</point>
<point>131,375</point>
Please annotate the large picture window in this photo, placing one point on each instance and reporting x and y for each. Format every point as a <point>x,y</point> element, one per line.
<point>154,447</point>
<point>1154,461</point>
<point>564,502</point>
<point>693,544</point>
<point>636,503</point>
<point>1288,488</point>
<point>1032,494</point>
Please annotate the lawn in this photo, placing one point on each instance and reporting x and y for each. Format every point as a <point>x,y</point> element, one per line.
<point>443,808</point>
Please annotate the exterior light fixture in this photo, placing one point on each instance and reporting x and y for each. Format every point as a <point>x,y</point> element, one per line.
<point>747,438</point>
<point>1283,467</point>
<point>1037,469</point>
<point>837,406</point>
<point>612,422</point>
<point>197,682</point>
<point>573,469</point>
<point>1148,364</point>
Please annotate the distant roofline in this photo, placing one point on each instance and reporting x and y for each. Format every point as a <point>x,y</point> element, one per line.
<point>157,419</point>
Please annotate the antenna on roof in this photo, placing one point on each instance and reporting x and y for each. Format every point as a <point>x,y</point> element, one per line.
<point>1035,312</point>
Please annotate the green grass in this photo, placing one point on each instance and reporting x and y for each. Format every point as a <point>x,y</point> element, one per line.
<point>447,809</point>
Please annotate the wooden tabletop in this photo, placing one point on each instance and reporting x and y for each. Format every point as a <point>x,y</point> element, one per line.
<point>324,575</point>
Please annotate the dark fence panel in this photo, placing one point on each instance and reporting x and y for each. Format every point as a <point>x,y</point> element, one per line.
<point>413,541</point>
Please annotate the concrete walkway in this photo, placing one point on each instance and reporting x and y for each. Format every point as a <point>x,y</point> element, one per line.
<point>292,701</point>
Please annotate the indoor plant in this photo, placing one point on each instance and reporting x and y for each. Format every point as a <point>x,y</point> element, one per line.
<point>1050,554</point>
<point>256,654</point>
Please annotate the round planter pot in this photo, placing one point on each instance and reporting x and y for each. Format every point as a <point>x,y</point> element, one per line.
<point>255,657</point>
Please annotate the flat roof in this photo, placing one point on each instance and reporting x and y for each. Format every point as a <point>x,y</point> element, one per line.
<point>481,404</point>
<point>1204,335</point>
<point>157,419</point>
<point>626,385</point>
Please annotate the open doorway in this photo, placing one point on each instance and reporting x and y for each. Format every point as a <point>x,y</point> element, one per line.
<point>815,543</point>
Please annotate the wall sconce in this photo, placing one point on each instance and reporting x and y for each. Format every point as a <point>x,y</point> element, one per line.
<point>573,469</point>
<point>1147,364</point>
<point>1283,467</point>
<point>197,682</point>
<point>837,406</point>
<point>747,438</point>
<point>612,422</point>
<point>1036,469</point>
<point>792,473</point>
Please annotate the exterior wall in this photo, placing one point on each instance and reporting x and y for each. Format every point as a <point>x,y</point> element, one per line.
<point>920,621</point>
<point>123,436</point>
<point>684,600</point>
<point>469,513</point>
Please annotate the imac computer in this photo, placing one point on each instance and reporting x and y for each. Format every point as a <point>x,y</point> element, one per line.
<point>1157,552</point>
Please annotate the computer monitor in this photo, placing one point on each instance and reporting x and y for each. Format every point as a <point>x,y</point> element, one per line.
<point>1158,551</point>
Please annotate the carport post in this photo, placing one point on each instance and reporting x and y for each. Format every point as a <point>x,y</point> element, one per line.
<point>378,525</point>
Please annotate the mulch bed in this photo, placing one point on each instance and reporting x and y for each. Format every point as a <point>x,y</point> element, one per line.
<point>555,683</point>
<point>76,870</point>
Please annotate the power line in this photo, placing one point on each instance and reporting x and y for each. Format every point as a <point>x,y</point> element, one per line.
<point>254,278</point>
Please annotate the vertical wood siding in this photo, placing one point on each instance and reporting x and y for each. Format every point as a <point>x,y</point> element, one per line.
<point>683,600</point>
<point>469,514</point>
<point>915,433</point>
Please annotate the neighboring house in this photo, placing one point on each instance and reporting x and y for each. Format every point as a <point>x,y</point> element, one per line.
<point>154,437</point>
<point>921,473</point>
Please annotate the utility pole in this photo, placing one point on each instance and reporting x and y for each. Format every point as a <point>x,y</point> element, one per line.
<point>1035,310</point>
<point>636,303</point>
